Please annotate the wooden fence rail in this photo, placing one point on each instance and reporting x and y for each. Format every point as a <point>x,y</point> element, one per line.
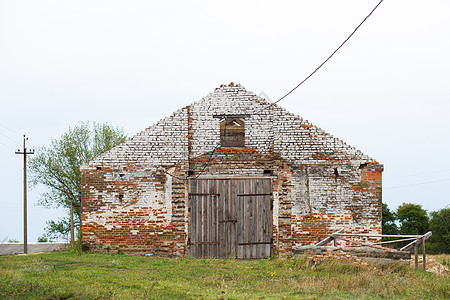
<point>416,241</point>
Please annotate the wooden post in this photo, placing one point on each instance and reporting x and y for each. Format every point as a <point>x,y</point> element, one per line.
<point>25,215</point>
<point>424,256</point>
<point>416,255</point>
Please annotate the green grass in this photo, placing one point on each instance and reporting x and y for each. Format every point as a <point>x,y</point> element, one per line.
<point>443,259</point>
<point>74,275</point>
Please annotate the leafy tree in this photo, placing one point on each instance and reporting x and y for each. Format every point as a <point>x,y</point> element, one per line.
<point>43,239</point>
<point>413,219</point>
<point>440,226</point>
<point>388,221</point>
<point>58,168</point>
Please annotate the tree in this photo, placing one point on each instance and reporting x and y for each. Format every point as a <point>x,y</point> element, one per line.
<point>440,226</point>
<point>58,168</point>
<point>388,224</point>
<point>413,219</point>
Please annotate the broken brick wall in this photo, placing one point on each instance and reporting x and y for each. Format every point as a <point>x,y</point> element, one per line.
<point>329,197</point>
<point>320,184</point>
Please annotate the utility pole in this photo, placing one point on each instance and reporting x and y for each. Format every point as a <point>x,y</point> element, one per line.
<point>25,153</point>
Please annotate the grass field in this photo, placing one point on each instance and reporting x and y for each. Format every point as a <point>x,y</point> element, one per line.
<point>443,259</point>
<point>75,275</point>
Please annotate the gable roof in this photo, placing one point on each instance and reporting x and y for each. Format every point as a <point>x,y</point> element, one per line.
<point>193,131</point>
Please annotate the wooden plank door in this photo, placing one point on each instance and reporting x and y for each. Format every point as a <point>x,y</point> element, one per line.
<point>230,218</point>
<point>254,229</point>
<point>227,219</point>
<point>204,237</point>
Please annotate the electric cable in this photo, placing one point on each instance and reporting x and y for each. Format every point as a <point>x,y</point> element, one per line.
<point>10,139</point>
<point>292,90</point>
<point>325,61</point>
<point>206,164</point>
<point>12,130</point>
<point>413,184</point>
<point>417,174</point>
<point>7,146</point>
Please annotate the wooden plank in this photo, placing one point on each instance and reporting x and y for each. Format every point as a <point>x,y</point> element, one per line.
<point>365,244</point>
<point>205,219</point>
<point>204,243</point>
<point>259,202</point>
<point>216,218</point>
<point>329,238</point>
<point>267,233</point>
<point>255,243</point>
<point>192,226</point>
<point>228,187</point>
<point>247,250</point>
<point>424,257</point>
<point>233,225</point>
<point>394,241</point>
<point>416,255</point>
<point>234,177</point>
<point>380,235</point>
<point>209,224</point>
<point>221,227</point>
<point>226,211</point>
<point>239,224</point>
<point>252,195</point>
<point>202,217</point>
<point>230,116</point>
<point>269,249</point>
<point>410,245</point>
<point>251,227</point>
<point>242,220</point>
<point>198,219</point>
<point>253,222</point>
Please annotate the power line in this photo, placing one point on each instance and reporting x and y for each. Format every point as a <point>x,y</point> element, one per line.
<point>214,150</point>
<point>207,163</point>
<point>7,146</point>
<point>413,184</point>
<point>326,60</point>
<point>417,174</point>
<point>12,130</point>
<point>292,90</point>
<point>10,139</point>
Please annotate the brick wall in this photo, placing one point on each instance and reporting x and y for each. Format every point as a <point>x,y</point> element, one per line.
<point>320,184</point>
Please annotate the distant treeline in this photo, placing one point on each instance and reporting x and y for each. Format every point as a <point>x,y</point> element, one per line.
<point>413,219</point>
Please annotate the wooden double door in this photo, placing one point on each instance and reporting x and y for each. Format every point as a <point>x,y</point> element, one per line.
<point>230,218</point>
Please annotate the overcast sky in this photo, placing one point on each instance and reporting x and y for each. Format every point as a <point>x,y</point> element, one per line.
<point>131,63</point>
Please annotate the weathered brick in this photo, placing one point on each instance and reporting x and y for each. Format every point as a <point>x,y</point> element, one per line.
<point>319,183</point>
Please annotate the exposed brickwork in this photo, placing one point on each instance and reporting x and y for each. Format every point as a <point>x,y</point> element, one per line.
<point>319,183</point>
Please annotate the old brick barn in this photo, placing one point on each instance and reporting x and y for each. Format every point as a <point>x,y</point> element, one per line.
<point>228,176</point>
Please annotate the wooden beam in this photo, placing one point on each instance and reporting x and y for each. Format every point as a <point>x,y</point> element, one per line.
<point>394,241</point>
<point>329,238</point>
<point>416,255</point>
<point>367,245</point>
<point>232,116</point>
<point>381,235</point>
<point>410,245</point>
<point>424,258</point>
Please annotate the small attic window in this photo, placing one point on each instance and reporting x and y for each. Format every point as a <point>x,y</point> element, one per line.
<point>232,132</point>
